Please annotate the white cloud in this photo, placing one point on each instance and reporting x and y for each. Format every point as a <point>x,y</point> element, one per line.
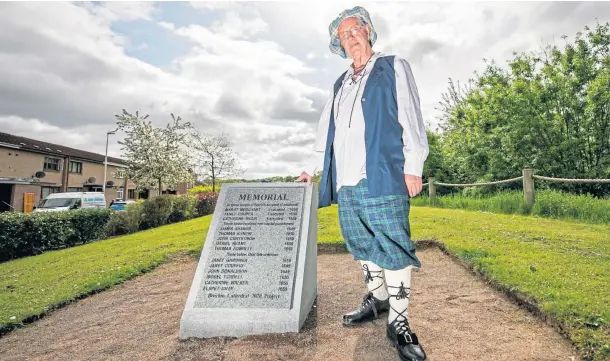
<point>234,26</point>
<point>123,11</point>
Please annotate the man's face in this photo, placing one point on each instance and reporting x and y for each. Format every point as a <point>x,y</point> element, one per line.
<point>353,37</point>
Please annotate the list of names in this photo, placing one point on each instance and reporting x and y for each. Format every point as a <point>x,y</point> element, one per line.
<point>253,260</point>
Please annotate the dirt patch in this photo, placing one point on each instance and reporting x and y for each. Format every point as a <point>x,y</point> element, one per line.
<point>456,316</point>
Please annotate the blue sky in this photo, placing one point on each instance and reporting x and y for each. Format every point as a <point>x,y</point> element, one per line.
<point>259,71</point>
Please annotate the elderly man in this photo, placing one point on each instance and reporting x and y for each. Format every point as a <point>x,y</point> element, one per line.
<point>372,145</point>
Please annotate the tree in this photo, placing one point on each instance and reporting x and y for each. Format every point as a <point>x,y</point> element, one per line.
<point>547,111</point>
<point>156,156</point>
<point>215,157</point>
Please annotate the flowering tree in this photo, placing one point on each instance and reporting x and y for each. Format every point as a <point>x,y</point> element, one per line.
<point>156,156</point>
<point>215,157</point>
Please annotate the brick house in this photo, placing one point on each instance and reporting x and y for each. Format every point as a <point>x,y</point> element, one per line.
<point>31,169</point>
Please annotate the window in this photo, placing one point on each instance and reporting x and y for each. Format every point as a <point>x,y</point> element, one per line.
<point>45,191</point>
<point>75,189</point>
<point>120,173</point>
<point>53,164</point>
<point>76,167</point>
<point>119,193</point>
<point>131,194</point>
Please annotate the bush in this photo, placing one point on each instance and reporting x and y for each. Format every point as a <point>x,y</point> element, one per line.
<point>127,221</point>
<point>204,189</point>
<point>184,207</point>
<point>152,213</point>
<point>24,234</point>
<point>30,234</point>
<point>156,212</point>
<point>206,203</point>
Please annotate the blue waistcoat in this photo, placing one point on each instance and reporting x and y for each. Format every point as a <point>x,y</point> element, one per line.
<point>382,137</point>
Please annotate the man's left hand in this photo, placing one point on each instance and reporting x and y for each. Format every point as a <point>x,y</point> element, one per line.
<point>414,184</point>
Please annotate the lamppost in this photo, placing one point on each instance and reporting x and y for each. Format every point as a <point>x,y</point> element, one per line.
<point>106,159</point>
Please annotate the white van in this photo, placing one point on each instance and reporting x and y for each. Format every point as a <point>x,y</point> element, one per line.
<point>55,202</point>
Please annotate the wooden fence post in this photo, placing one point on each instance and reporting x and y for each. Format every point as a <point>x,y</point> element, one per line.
<point>431,189</point>
<point>528,187</point>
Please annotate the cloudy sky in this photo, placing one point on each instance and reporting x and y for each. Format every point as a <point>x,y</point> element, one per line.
<point>259,71</point>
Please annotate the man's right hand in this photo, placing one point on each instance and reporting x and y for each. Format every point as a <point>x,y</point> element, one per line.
<point>304,178</point>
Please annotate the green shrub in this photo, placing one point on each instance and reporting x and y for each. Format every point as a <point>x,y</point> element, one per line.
<point>184,207</point>
<point>156,212</point>
<point>152,213</point>
<point>206,203</point>
<point>127,221</point>
<point>204,189</point>
<point>24,234</point>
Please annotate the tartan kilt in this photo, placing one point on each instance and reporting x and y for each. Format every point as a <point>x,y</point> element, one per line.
<point>376,229</point>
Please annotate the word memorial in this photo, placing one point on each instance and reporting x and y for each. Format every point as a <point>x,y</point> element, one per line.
<point>258,269</point>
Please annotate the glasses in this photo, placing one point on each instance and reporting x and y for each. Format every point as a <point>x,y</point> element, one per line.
<point>352,31</point>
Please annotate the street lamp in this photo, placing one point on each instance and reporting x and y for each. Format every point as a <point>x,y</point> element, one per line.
<point>106,159</point>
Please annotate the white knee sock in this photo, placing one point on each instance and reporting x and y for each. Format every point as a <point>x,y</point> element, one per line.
<point>373,277</point>
<point>399,289</point>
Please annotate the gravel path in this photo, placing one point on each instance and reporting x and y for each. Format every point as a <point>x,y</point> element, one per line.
<point>456,317</point>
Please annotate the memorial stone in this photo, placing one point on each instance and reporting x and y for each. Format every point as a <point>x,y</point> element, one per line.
<point>258,268</point>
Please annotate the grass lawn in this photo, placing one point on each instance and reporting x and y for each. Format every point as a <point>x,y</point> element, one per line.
<point>564,267</point>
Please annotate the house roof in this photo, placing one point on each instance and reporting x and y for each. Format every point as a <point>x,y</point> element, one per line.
<point>54,149</point>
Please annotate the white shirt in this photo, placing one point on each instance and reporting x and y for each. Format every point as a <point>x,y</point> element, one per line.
<point>349,146</point>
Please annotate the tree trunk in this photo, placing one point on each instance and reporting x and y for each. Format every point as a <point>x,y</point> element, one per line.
<point>159,186</point>
<point>213,176</point>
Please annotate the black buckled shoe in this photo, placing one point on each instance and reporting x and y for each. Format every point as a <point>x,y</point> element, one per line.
<point>370,309</point>
<point>407,345</point>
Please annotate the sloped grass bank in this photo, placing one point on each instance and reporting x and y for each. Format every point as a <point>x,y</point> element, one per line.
<point>561,268</point>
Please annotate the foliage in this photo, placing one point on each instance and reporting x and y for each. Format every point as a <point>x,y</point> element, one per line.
<point>433,166</point>
<point>159,211</point>
<point>547,111</point>
<point>207,203</point>
<point>204,189</point>
<point>183,208</point>
<point>127,221</point>
<point>29,234</point>
<point>216,159</point>
<point>156,156</point>
<point>156,212</point>
<point>548,204</point>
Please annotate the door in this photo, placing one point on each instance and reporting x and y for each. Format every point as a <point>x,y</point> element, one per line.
<point>6,192</point>
<point>28,202</point>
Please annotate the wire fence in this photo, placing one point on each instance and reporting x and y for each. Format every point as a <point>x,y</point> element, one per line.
<point>527,179</point>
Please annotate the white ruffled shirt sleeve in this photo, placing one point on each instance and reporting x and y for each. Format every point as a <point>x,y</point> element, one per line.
<point>414,136</point>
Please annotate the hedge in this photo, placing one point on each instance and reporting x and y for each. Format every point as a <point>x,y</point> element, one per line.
<point>24,234</point>
<point>159,211</point>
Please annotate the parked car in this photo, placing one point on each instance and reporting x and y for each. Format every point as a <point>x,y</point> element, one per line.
<point>56,202</point>
<point>120,204</point>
